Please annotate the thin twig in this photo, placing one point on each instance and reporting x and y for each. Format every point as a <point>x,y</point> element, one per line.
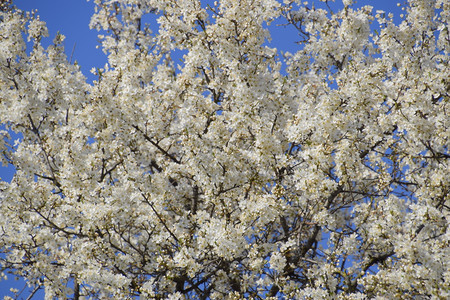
<point>71,54</point>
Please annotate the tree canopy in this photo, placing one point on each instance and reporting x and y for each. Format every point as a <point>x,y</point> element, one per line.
<point>239,171</point>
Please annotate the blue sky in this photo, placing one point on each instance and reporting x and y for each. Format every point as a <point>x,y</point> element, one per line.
<point>71,18</point>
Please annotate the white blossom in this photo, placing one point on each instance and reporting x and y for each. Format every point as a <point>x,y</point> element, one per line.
<point>239,171</point>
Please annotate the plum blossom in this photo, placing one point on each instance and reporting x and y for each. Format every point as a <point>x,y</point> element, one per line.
<point>235,169</point>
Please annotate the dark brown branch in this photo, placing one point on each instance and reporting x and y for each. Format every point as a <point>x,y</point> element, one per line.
<point>173,158</point>
<point>76,290</point>
<point>37,288</point>
<point>160,218</point>
<point>108,172</point>
<point>35,130</point>
<point>377,259</point>
<point>194,203</point>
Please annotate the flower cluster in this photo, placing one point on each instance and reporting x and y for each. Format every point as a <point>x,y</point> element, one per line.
<point>241,172</point>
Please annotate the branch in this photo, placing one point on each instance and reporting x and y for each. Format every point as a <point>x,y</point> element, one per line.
<point>35,130</point>
<point>37,288</point>
<point>106,172</point>
<point>76,290</point>
<point>160,218</point>
<point>377,259</point>
<point>194,199</point>
<point>173,158</point>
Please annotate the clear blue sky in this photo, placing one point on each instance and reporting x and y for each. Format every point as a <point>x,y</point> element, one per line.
<point>71,18</point>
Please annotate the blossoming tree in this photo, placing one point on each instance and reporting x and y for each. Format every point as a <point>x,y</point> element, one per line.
<point>238,172</point>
